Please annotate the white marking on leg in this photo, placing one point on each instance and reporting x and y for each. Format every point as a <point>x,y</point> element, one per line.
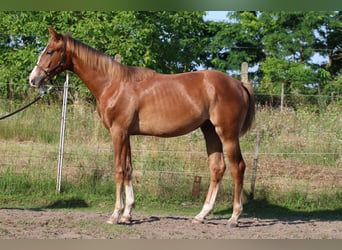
<point>129,202</point>
<point>114,218</point>
<point>208,206</point>
<point>237,211</point>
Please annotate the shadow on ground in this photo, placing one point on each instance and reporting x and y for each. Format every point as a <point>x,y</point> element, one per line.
<point>58,204</point>
<point>67,203</point>
<point>262,209</point>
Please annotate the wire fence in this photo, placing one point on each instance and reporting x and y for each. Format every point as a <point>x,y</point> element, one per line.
<point>298,146</point>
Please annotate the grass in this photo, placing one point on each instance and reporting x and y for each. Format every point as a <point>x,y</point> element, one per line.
<point>23,191</point>
<point>299,165</point>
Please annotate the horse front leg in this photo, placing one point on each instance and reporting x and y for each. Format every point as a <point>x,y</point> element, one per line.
<point>121,153</point>
<point>129,204</point>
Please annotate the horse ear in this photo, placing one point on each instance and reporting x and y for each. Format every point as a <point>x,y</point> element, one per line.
<point>53,33</point>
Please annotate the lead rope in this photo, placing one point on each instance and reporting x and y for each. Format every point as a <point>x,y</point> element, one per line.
<point>42,93</point>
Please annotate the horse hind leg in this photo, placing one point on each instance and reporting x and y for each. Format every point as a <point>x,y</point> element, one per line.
<point>237,169</point>
<point>217,169</point>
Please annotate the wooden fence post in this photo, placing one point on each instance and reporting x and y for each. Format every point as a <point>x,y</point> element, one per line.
<point>282,97</point>
<point>244,72</point>
<point>196,188</point>
<point>255,164</point>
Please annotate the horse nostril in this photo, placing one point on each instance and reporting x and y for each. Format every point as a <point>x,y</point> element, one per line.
<point>32,82</point>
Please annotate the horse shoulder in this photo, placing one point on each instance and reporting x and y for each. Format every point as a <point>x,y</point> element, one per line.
<point>117,105</point>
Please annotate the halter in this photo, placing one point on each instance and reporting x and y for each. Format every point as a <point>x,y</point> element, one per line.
<point>52,71</point>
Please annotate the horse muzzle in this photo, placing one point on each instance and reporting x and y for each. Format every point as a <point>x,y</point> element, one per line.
<point>37,81</point>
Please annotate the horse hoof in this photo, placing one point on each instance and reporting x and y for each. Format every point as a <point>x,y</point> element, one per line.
<point>112,221</point>
<point>232,224</point>
<point>197,221</point>
<point>125,220</point>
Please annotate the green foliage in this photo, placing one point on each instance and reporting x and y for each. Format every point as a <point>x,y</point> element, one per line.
<point>297,77</point>
<point>167,42</point>
<point>279,46</point>
<point>235,41</point>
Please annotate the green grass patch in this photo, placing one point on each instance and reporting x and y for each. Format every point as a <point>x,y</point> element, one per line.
<point>38,192</point>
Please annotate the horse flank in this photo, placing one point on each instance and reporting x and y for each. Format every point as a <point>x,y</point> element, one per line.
<point>105,63</point>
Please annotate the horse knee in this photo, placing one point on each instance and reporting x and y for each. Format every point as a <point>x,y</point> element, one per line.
<point>124,174</point>
<point>128,175</point>
<point>119,174</point>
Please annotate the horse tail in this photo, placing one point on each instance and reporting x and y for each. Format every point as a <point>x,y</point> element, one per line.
<point>249,119</point>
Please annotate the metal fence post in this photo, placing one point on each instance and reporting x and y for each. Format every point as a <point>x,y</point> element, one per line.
<point>61,136</point>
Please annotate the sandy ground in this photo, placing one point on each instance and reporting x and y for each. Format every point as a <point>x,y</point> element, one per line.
<point>59,224</point>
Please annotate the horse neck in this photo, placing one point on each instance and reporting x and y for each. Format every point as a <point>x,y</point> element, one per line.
<point>94,78</point>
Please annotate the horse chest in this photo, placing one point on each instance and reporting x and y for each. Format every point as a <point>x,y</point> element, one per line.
<point>117,109</point>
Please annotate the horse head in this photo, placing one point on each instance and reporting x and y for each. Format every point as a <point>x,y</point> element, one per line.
<point>51,61</point>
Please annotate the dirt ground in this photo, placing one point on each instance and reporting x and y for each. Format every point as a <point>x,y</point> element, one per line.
<point>59,224</point>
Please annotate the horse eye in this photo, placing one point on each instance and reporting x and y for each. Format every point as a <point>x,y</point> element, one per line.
<point>50,52</point>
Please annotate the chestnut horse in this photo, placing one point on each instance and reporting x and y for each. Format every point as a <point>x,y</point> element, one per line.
<point>140,101</point>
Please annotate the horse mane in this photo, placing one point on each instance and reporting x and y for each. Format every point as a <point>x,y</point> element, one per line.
<point>105,63</point>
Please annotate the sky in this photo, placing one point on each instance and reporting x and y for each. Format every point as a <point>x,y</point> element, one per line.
<point>216,15</point>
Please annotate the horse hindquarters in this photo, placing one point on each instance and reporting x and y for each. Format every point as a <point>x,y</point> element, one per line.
<point>231,114</point>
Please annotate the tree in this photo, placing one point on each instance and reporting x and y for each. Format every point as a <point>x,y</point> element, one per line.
<point>280,46</point>
<point>297,38</point>
<point>329,40</point>
<point>235,41</point>
<point>17,48</point>
<point>168,42</point>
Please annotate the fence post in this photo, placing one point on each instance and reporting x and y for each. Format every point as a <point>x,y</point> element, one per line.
<point>255,164</point>
<point>244,72</point>
<point>282,96</point>
<point>196,187</point>
<point>61,135</point>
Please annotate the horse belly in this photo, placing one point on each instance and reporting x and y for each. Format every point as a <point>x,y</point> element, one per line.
<point>172,105</point>
<point>175,120</point>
